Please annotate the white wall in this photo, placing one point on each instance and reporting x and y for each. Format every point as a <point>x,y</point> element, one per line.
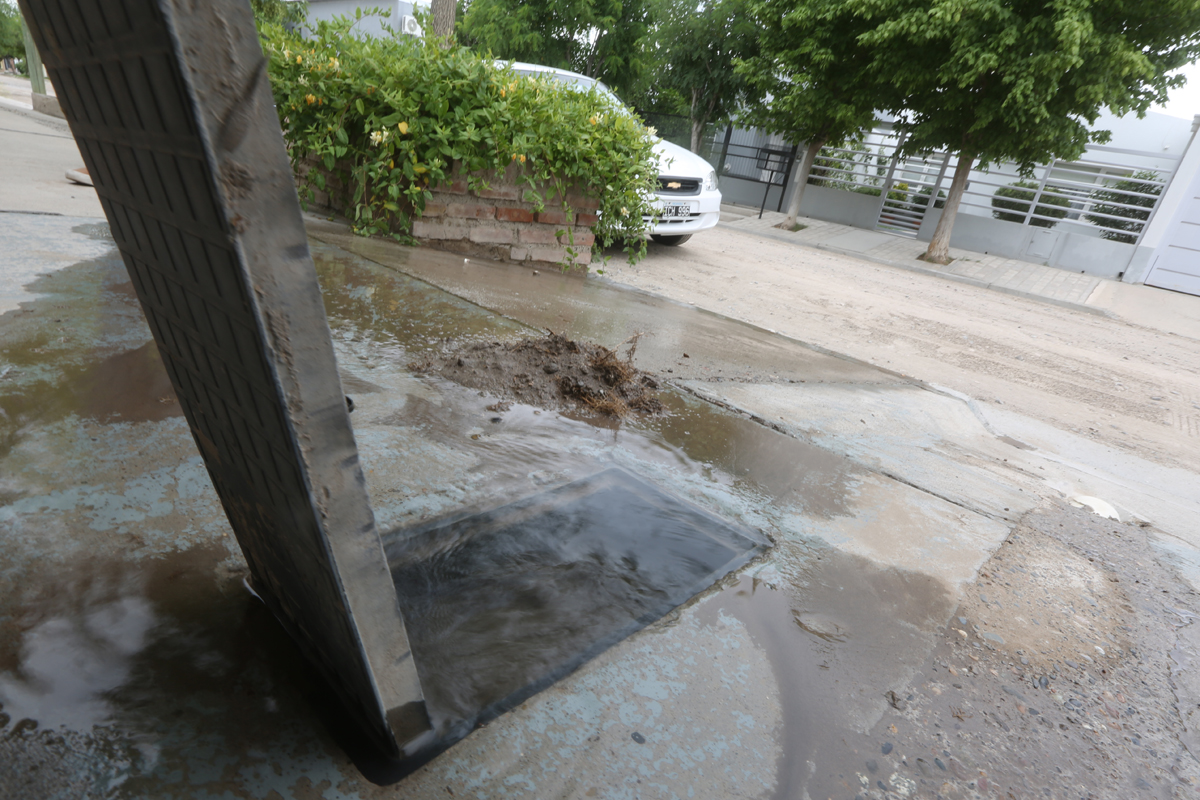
<point>1177,191</point>
<point>328,9</point>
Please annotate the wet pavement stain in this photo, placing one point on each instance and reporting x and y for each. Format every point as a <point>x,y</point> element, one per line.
<point>589,307</point>
<point>177,682</point>
<point>838,635</point>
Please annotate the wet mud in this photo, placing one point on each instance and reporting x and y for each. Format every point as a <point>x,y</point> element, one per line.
<point>1058,677</point>
<point>552,372</point>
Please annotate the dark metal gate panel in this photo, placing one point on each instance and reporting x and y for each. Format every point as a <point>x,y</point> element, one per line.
<point>170,105</point>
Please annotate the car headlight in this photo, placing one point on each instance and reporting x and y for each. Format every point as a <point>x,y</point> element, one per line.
<point>710,183</point>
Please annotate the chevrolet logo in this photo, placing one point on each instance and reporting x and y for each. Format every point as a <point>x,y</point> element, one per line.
<point>674,185</point>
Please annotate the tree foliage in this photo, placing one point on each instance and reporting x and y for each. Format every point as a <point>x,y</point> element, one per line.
<point>815,72</point>
<point>12,43</point>
<point>603,39</point>
<point>1023,80</point>
<point>1016,80</point>
<point>698,46</point>
<point>278,12</point>
<point>1012,203</point>
<point>818,77</point>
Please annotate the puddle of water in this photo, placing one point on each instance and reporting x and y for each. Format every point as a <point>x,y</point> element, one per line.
<point>589,307</point>
<point>397,317</point>
<point>83,348</point>
<point>839,635</point>
<point>124,679</point>
<point>501,604</point>
<point>38,244</point>
<point>400,315</point>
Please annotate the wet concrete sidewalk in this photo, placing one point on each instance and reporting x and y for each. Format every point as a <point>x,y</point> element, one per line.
<point>134,663</point>
<point>1008,275</point>
<point>128,637</point>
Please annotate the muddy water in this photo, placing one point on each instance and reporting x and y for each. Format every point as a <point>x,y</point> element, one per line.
<point>838,639</point>
<point>838,630</point>
<point>693,436</point>
<point>589,307</point>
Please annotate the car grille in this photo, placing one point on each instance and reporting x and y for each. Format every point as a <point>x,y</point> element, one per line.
<point>678,187</point>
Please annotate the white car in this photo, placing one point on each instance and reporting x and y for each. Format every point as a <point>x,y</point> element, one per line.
<point>687,199</point>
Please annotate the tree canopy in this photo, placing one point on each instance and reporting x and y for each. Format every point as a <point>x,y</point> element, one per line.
<point>815,72</point>
<point>698,46</point>
<point>1022,80</point>
<point>602,39</point>
<point>12,43</point>
<point>818,77</point>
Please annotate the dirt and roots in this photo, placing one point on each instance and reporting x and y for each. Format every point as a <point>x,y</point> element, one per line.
<point>553,371</point>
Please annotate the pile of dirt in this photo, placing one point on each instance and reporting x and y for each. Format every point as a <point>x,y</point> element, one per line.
<point>553,371</point>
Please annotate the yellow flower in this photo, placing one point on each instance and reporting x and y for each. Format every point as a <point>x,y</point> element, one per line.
<point>624,211</point>
<point>403,128</point>
<point>297,59</point>
<point>502,91</point>
<point>333,62</point>
<point>522,157</point>
<point>392,164</point>
<point>593,119</point>
<point>310,99</point>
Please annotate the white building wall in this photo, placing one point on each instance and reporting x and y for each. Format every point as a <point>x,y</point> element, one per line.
<point>370,25</point>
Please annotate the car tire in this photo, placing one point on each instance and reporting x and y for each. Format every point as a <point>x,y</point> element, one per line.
<point>671,241</point>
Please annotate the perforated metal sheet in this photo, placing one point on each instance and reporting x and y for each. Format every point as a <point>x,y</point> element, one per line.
<point>170,105</point>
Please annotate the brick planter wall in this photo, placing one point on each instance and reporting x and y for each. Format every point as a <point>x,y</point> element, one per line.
<point>495,222</point>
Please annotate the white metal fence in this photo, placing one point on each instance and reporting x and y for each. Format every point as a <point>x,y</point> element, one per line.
<point>1111,193</point>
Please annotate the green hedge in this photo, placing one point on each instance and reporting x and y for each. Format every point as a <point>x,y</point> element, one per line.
<point>402,111</point>
<point>1134,219</point>
<point>1018,196</point>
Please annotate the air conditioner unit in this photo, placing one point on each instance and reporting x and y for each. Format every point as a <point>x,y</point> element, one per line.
<point>409,25</point>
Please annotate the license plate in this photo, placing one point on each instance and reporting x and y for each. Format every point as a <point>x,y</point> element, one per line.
<point>675,210</point>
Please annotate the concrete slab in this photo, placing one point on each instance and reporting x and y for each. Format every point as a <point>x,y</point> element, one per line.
<point>36,182</point>
<point>925,438</point>
<point>859,241</point>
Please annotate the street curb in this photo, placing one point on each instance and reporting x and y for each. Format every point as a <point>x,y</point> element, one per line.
<point>31,113</point>
<point>783,237</point>
<point>14,105</point>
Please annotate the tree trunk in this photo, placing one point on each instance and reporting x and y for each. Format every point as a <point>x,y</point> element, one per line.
<point>693,117</point>
<point>697,133</point>
<point>801,180</point>
<point>939,247</point>
<point>443,19</point>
